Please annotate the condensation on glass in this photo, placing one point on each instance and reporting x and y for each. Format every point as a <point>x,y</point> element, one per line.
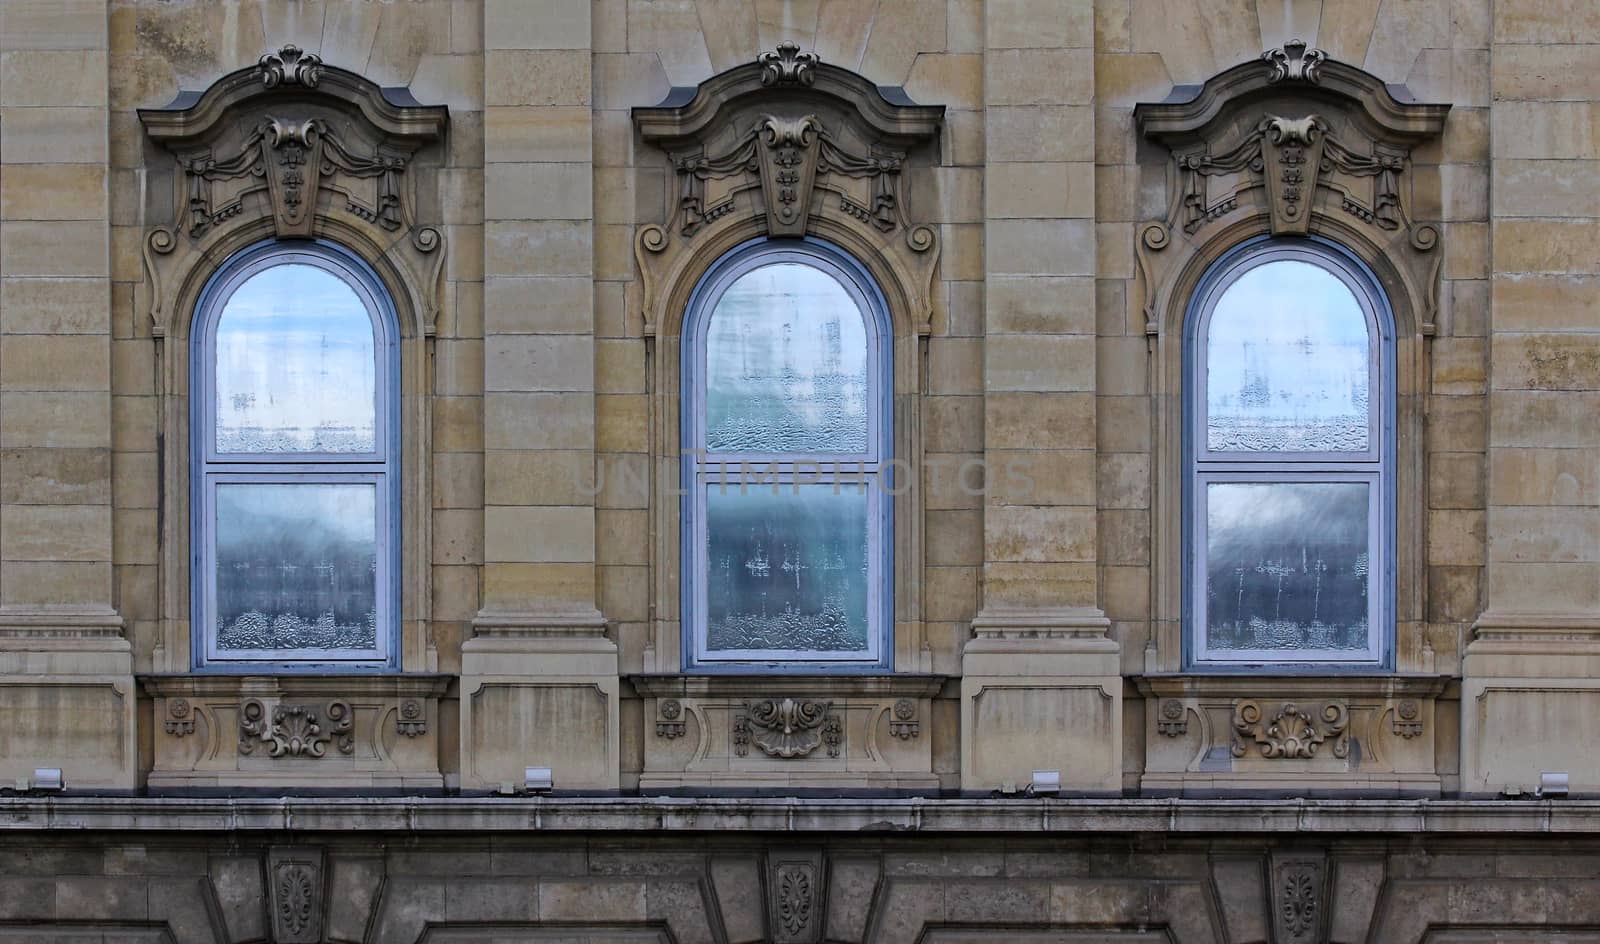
<point>1288,460</point>
<point>295,365</point>
<point>785,420</point>
<point>293,461</point>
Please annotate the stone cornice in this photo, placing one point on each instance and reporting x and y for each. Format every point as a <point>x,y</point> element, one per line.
<point>898,816</point>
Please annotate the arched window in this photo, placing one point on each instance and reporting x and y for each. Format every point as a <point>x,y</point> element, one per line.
<point>786,436</point>
<point>294,452</point>
<point>1290,363</point>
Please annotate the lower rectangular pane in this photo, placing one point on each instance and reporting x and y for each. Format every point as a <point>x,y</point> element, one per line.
<point>1287,566</point>
<point>297,567</point>
<point>786,571</point>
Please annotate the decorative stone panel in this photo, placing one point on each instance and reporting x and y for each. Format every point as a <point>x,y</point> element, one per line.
<point>797,731</point>
<point>1290,733</point>
<point>788,146</point>
<point>291,148</point>
<point>354,731</point>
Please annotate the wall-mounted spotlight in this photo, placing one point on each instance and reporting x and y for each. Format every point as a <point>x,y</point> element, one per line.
<point>537,780</point>
<point>1045,783</point>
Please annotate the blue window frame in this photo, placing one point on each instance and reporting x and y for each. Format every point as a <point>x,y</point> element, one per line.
<point>787,474</point>
<point>1289,360</point>
<point>294,448</point>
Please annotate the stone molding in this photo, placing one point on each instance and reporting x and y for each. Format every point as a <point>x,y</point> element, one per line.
<point>694,815</point>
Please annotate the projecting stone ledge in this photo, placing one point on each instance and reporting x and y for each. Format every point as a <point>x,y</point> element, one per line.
<point>700,814</point>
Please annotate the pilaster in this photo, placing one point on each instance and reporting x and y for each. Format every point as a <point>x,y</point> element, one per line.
<point>539,679</point>
<point>66,682</point>
<point>1531,675</point>
<point>1040,650</point>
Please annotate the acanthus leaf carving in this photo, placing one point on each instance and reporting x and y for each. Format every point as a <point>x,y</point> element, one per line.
<point>1291,732</point>
<point>296,730</point>
<point>795,897</point>
<point>1294,62</point>
<point>290,65</point>
<point>788,727</point>
<point>1298,898</point>
<point>295,889</point>
<point>788,66</point>
<point>308,147</point>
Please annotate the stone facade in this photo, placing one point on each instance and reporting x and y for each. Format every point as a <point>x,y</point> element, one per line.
<point>1037,186</point>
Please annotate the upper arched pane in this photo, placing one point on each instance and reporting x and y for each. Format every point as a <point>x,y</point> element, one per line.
<point>295,365</point>
<point>786,365</point>
<point>1288,363</point>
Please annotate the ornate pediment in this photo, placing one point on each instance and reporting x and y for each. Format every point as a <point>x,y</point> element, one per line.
<point>1306,143</point>
<point>292,148</point>
<point>787,146</point>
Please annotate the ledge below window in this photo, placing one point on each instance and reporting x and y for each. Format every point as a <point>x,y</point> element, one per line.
<point>788,731</point>
<point>339,732</point>
<point>1295,733</point>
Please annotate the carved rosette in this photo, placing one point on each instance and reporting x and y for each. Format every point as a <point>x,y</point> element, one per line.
<point>787,146</point>
<point>903,722</point>
<point>1291,731</point>
<point>293,148</point>
<point>180,717</point>
<point>669,718</point>
<point>1172,719</point>
<point>411,719</point>
<point>1407,719</point>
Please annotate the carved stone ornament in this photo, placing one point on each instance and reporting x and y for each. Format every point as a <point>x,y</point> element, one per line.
<point>1173,718</point>
<point>1298,897</point>
<point>787,727</point>
<point>1407,719</point>
<point>903,722</point>
<point>292,148</point>
<point>669,718</point>
<point>295,884</point>
<point>788,146</point>
<point>795,879</point>
<point>1295,143</point>
<point>1291,731</point>
<point>180,717</point>
<point>295,730</point>
<point>411,719</point>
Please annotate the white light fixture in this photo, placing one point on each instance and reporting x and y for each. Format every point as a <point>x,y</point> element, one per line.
<point>1553,783</point>
<point>1045,783</point>
<point>537,780</point>
<point>48,778</point>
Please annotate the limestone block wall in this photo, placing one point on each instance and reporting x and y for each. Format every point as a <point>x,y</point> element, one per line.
<point>542,582</point>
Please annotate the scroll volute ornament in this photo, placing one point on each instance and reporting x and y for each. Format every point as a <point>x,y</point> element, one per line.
<point>294,148</point>
<point>789,146</point>
<point>1307,144</point>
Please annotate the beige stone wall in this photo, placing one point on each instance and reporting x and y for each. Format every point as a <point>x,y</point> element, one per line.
<point>541,368</point>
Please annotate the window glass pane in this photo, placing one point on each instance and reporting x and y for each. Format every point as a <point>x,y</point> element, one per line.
<point>786,571</point>
<point>786,365</point>
<point>1286,361</point>
<point>296,567</point>
<point>295,368</point>
<point>1286,565</point>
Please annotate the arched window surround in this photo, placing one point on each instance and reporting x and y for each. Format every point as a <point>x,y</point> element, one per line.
<point>381,466</point>
<point>697,467</point>
<point>1377,464</point>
